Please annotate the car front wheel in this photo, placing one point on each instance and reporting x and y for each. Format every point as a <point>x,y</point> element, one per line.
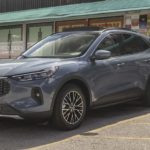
<point>70,107</point>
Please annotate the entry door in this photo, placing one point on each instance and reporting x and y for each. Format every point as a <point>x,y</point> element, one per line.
<point>37,32</point>
<point>11,42</point>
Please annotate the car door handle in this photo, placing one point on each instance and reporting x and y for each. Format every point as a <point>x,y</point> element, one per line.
<point>120,64</point>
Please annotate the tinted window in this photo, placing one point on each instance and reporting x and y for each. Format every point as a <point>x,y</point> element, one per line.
<point>132,44</point>
<point>111,43</point>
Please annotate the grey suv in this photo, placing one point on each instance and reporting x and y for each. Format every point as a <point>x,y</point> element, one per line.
<point>67,73</point>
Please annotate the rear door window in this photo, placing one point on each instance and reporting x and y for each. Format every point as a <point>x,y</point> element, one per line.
<point>132,44</point>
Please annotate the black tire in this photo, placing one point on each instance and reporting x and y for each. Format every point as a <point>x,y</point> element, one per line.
<point>69,114</point>
<point>147,95</point>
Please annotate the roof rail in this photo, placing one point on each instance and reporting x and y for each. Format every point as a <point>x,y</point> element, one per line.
<point>95,28</point>
<point>81,29</point>
<point>114,28</point>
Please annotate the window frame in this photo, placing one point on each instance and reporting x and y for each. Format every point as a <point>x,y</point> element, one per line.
<point>121,33</point>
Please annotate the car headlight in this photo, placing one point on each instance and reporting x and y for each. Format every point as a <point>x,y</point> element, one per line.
<point>46,73</point>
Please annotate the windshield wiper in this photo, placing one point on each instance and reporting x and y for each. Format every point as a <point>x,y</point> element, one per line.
<point>24,56</point>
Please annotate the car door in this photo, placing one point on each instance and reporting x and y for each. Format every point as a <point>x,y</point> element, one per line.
<point>106,74</point>
<point>135,63</point>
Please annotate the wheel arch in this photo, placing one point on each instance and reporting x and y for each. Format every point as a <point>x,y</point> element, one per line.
<point>79,82</point>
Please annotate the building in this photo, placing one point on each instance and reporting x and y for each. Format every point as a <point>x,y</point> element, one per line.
<point>25,22</point>
<point>16,5</point>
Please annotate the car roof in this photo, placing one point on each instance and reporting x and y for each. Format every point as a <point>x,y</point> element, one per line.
<point>104,30</point>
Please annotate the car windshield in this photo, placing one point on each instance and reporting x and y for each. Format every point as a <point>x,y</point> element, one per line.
<point>61,45</point>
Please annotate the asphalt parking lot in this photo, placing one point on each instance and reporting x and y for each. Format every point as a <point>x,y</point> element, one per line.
<point>122,127</point>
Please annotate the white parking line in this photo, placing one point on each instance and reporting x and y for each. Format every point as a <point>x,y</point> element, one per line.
<point>126,138</point>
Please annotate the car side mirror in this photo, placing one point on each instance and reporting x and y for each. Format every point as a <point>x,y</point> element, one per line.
<point>102,54</point>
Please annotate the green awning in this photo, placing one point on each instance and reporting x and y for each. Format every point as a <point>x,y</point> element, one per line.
<point>77,10</point>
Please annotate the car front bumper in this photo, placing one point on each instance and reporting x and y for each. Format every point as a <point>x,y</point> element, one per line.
<point>21,99</point>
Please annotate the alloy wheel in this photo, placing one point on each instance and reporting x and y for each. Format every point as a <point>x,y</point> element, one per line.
<point>72,107</point>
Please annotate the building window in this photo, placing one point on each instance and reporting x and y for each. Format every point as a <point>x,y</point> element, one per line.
<point>37,32</point>
<point>107,22</point>
<point>11,41</point>
<point>64,25</point>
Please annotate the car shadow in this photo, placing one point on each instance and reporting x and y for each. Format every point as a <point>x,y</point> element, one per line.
<point>20,134</point>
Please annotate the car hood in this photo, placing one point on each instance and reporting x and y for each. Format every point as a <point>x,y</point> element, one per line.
<point>19,66</point>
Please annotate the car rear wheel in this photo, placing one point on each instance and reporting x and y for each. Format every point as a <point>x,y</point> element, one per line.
<point>70,107</point>
<point>147,95</point>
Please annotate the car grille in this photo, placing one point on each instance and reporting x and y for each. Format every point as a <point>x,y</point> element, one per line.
<point>4,87</point>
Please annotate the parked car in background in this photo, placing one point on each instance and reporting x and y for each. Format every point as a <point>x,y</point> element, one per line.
<point>68,73</point>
